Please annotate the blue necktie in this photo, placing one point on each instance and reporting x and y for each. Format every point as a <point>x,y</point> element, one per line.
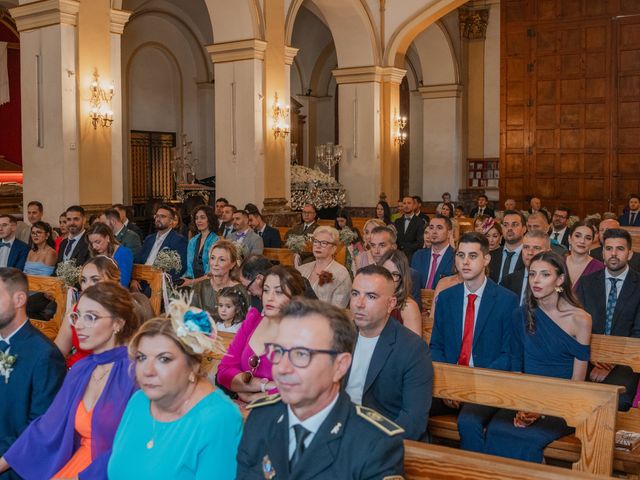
<point>69,247</point>
<point>4,346</point>
<point>611,305</point>
<point>506,266</point>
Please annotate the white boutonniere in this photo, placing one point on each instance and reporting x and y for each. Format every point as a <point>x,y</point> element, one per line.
<point>7,361</point>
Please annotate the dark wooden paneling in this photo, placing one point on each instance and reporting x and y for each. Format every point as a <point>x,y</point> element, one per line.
<point>570,102</point>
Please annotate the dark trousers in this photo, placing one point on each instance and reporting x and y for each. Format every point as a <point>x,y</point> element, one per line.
<point>625,377</point>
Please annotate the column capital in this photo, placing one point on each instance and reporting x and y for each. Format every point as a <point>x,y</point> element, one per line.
<point>45,13</point>
<point>473,23</point>
<point>251,49</point>
<point>119,19</point>
<point>371,73</point>
<point>452,90</point>
<point>289,54</point>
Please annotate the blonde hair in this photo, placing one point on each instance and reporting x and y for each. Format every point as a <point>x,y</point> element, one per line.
<point>332,232</point>
<point>376,221</point>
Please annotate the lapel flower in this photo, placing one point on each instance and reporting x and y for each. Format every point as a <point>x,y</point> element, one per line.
<point>7,362</point>
<point>325,277</point>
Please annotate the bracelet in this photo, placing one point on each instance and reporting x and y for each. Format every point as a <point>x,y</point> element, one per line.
<point>263,385</point>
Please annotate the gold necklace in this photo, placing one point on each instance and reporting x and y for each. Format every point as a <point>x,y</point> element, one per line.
<point>151,442</point>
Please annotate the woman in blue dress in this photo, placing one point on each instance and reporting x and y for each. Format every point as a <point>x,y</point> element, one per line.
<point>204,224</point>
<point>551,338</point>
<point>42,255</point>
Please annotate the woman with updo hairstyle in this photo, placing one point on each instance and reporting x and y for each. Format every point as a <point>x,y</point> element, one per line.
<point>245,370</point>
<point>101,241</point>
<point>96,270</point>
<point>73,438</point>
<point>178,425</point>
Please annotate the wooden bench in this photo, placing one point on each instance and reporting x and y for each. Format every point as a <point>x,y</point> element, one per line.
<point>359,223</point>
<point>590,408</point>
<point>426,297</point>
<point>282,255</point>
<point>605,349</point>
<point>435,462</point>
<point>153,277</point>
<point>56,289</point>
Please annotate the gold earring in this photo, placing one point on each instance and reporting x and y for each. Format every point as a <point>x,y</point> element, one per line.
<point>559,289</point>
<point>192,377</point>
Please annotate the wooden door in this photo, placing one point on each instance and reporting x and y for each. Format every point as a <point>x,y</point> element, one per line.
<point>151,172</point>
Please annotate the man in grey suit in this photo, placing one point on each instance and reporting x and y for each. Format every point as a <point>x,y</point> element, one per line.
<point>127,238</point>
<point>244,234</point>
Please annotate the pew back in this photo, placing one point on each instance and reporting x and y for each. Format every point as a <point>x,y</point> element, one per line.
<point>590,408</point>
<point>153,277</point>
<point>56,289</point>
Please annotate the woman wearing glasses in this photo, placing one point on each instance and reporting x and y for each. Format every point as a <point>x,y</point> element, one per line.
<point>330,280</point>
<point>245,370</point>
<point>42,256</point>
<point>178,426</point>
<point>74,436</point>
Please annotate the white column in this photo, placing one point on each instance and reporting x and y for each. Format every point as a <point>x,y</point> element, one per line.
<point>239,138</point>
<point>360,130</point>
<point>416,143</point>
<point>49,107</point>
<point>442,127</point>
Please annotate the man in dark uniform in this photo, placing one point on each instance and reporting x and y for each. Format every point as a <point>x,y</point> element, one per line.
<point>311,430</point>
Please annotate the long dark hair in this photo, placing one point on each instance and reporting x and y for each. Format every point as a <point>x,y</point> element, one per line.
<point>387,211</point>
<point>566,293</point>
<point>343,213</point>
<point>212,219</point>
<point>46,228</point>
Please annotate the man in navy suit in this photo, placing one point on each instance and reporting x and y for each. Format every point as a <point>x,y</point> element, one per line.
<point>75,246</point>
<point>472,327</point>
<point>559,232</point>
<point>383,240</point>
<point>391,370</point>
<point>483,208</point>
<point>632,217</point>
<point>13,252</point>
<point>38,371</point>
<point>508,259</point>
<point>270,236</point>
<point>165,238</point>
<point>410,228</point>
<point>436,262</point>
<point>611,297</point>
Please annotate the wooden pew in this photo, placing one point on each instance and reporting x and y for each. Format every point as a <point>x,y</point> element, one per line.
<point>57,290</point>
<point>153,277</point>
<point>590,408</point>
<point>282,255</point>
<point>359,222</point>
<point>426,297</point>
<point>435,462</point>
<point>465,224</point>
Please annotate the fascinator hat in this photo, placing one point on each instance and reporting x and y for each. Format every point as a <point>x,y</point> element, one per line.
<point>487,225</point>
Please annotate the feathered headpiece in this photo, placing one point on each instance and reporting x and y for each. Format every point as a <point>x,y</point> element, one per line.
<point>487,225</point>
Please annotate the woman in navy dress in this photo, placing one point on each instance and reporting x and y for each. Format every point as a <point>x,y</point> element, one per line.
<point>551,338</point>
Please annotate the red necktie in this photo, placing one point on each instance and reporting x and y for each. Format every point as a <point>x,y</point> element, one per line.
<point>467,336</point>
<point>432,273</point>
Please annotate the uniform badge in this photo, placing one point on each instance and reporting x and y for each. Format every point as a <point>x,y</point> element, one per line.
<point>267,468</point>
<point>336,428</point>
<point>264,401</point>
<point>380,421</point>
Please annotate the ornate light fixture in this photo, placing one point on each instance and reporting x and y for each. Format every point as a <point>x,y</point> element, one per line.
<point>328,155</point>
<point>399,124</point>
<point>280,114</point>
<point>100,113</point>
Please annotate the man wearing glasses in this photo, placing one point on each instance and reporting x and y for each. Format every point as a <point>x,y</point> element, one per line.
<point>559,233</point>
<point>308,224</point>
<point>312,430</point>
<point>392,370</point>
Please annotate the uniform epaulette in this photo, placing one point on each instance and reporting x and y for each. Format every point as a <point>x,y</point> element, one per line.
<point>261,402</point>
<point>380,421</point>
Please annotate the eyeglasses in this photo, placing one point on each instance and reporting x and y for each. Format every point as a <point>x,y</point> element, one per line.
<point>299,356</point>
<point>254,363</point>
<point>322,243</point>
<point>89,319</point>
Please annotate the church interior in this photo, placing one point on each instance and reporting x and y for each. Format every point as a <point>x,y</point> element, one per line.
<point>343,104</point>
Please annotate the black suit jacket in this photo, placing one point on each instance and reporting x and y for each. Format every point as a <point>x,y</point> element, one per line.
<point>488,211</point>
<point>345,446</point>
<point>136,229</point>
<point>564,240</point>
<point>496,264</point>
<point>271,237</point>
<point>80,251</point>
<point>626,317</point>
<point>412,239</point>
<point>400,379</point>
<point>37,375</point>
<point>514,282</point>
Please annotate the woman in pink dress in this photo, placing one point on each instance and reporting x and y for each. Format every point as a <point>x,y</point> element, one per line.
<point>579,262</point>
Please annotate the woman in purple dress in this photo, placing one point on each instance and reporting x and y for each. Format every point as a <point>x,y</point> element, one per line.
<point>579,262</point>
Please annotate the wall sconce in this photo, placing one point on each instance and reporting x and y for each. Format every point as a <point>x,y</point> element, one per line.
<point>280,114</point>
<point>399,124</point>
<point>100,101</point>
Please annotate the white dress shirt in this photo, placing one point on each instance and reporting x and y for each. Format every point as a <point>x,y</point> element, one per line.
<point>156,247</point>
<point>312,424</point>
<point>476,306</point>
<point>76,240</point>
<point>607,283</point>
<point>4,252</point>
<point>360,366</point>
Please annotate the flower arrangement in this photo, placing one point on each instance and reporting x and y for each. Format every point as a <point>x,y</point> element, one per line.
<point>69,272</point>
<point>241,249</point>
<point>348,236</point>
<point>297,243</point>
<point>7,362</point>
<point>316,188</point>
<point>168,260</point>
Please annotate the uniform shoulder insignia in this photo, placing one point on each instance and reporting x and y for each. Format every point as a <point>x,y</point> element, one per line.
<point>261,402</point>
<point>380,421</point>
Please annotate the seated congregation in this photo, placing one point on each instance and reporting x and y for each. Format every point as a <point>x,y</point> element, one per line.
<point>210,351</point>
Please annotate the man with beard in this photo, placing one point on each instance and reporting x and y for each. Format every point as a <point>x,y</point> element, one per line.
<point>312,430</point>
<point>508,259</point>
<point>74,247</point>
<point>165,238</point>
<point>37,373</point>
<point>611,297</point>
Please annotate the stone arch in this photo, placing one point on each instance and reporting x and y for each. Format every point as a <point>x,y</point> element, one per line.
<point>435,52</point>
<point>351,26</point>
<point>407,32</point>
<point>248,20</point>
